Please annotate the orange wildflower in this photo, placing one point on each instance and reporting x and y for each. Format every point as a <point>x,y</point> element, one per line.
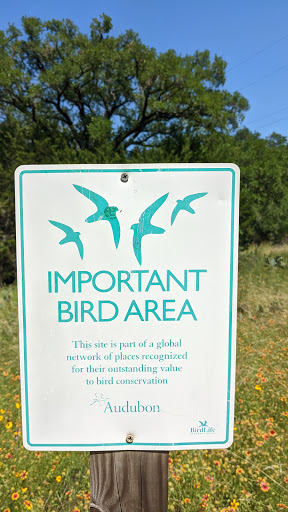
<point>264,486</point>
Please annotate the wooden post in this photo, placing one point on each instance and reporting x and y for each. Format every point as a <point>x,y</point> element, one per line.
<point>129,481</point>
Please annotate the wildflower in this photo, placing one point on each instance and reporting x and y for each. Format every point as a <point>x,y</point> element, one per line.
<point>15,496</point>
<point>247,453</point>
<point>266,436</point>
<point>258,388</point>
<point>2,411</point>
<point>283,399</point>
<point>187,500</point>
<point>58,478</point>
<point>285,413</point>
<point>1,418</point>
<point>272,433</point>
<point>6,510</point>
<point>18,405</point>
<point>264,486</point>
<point>24,489</point>
<point>216,462</point>
<point>9,425</point>
<point>239,471</point>
<point>28,504</point>
<point>286,480</point>
<point>281,505</point>
<point>234,504</point>
<point>177,477</point>
<point>23,475</point>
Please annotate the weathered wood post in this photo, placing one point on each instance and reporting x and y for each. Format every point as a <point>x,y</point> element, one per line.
<point>129,481</point>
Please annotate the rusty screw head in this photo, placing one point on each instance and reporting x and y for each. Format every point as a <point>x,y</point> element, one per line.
<point>124,178</point>
<point>130,438</point>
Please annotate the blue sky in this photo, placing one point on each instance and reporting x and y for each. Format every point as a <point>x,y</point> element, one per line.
<point>250,35</point>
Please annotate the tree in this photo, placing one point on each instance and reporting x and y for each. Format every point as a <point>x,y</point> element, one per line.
<point>72,97</point>
<point>106,94</point>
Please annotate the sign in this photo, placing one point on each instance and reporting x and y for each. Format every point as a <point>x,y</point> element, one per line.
<point>127,305</point>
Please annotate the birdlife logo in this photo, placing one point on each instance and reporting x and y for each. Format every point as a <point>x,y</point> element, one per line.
<point>108,213</point>
<point>202,428</point>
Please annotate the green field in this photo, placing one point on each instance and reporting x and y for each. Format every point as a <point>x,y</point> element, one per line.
<point>252,475</point>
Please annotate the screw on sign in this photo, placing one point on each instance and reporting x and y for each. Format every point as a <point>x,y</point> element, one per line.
<point>124,177</point>
<point>131,292</point>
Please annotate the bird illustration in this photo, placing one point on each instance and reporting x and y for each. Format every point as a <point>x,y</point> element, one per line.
<point>104,211</point>
<point>184,204</point>
<point>144,227</point>
<point>71,236</point>
<point>203,424</point>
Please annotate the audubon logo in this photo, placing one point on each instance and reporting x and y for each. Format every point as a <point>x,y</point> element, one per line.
<point>202,428</point>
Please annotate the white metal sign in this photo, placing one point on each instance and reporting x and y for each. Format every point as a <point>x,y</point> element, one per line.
<point>127,305</point>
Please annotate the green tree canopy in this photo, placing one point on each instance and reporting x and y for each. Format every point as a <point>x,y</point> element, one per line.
<point>107,92</point>
<point>69,97</point>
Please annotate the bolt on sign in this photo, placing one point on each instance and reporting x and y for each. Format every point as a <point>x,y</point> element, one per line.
<point>127,305</point>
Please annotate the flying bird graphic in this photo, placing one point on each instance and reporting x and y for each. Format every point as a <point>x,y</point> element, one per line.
<point>184,204</point>
<point>71,236</point>
<point>203,424</point>
<point>144,227</point>
<point>104,211</point>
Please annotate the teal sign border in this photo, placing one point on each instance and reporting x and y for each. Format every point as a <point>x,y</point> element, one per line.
<point>64,171</point>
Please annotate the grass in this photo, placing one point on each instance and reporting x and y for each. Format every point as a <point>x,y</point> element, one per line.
<point>252,475</point>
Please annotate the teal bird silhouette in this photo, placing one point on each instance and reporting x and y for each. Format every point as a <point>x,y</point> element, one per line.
<point>203,424</point>
<point>144,227</point>
<point>104,211</point>
<point>184,204</point>
<point>71,236</point>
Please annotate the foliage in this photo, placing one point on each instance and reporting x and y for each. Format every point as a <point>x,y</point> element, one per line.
<point>251,475</point>
<point>69,97</point>
<point>264,178</point>
<point>109,92</point>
